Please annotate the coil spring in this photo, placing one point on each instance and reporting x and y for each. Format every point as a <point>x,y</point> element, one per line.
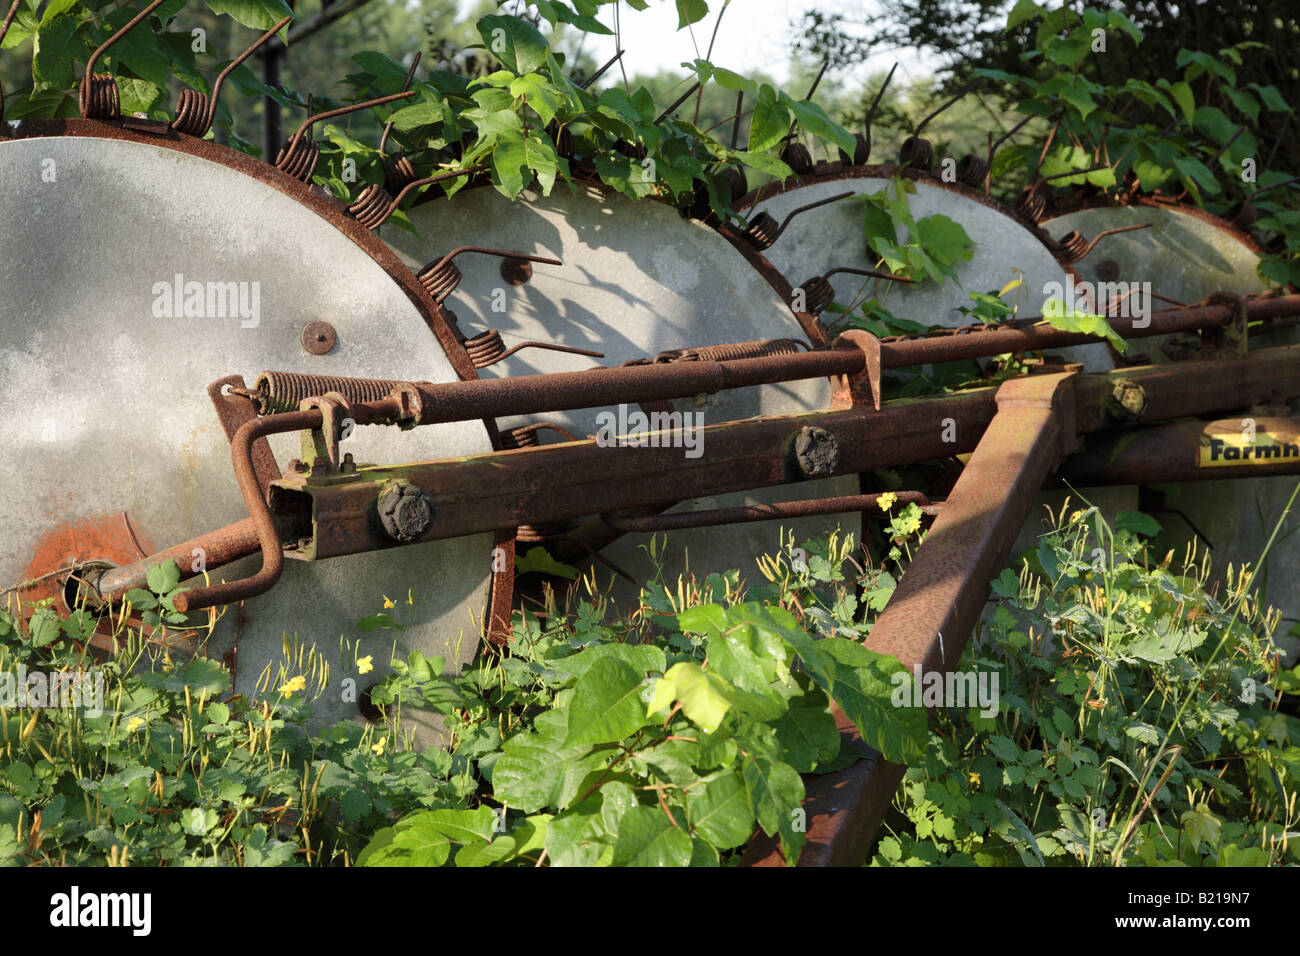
<point>763,231</point>
<point>398,172</point>
<point>100,100</point>
<point>1073,245</point>
<point>533,533</point>
<point>861,150</point>
<point>1242,214</point>
<point>523,437</point>
<point>972,169</point>
<point>1031,205</point>
<point>298,158</point>
<point>731,351</point>
<point>193,113</point>
<point>485,348</point>
<point>797,157</point>
<point>284,391</point>
<point>818,294</point>
<point>732,179</point>
<point>372,206</point>
<point>916,152</point>
<point>440,280</point>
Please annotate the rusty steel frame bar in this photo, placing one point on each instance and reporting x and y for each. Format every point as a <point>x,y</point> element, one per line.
<point>501,490</point>
<point>764,512</point>
<point>1164,453</point>
<point>943,590</point>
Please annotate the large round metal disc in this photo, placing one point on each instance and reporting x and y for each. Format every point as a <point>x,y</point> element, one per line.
<point>833,236</point>
<point>104,385</point>
<point>1188,254</point>
<point>637,279</point>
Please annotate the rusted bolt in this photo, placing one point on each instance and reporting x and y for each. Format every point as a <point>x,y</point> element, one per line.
<point>405,511</point>
<point>349,464</point>
<point>1127,401</point>
<point>516,271</point>
<point>318,337</point>
<point>1108,270</point>
<point>296,467</point>
<point>817,451</point>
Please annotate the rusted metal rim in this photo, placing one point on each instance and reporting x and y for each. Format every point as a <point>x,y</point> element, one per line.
<point>837,172</point>
<point>1156,202</point>
<point>333,211</point>
<point>811,326</point>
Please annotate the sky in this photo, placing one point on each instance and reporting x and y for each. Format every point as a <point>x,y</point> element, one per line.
<point>754,36</point>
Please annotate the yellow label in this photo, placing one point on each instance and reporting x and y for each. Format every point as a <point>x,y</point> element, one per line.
<point>1224,446</point>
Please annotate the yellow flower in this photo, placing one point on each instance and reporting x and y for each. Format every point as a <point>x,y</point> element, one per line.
<point>290,688</point>
<point>1075,516</point>
<point>886,501</point>
<point>974,778</point>
<point>134,724</point>
<point>388,602</point>
<point>365,664</point>
<point>378,746</point>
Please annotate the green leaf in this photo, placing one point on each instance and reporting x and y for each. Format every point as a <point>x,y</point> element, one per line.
<point>43,627</point>
<point>1137,523</point>
<point>55,49</point>
<point>770,121</point>
<point>485,854</point>
<point>807,732</point>
<point>646,837</point>
<point>704,695</point>
<point>1271,98</point>
<point>812,118</point>
<point>863,686</point>
<point>258,14</point>
<point>775,791</point>
<point>539,559</point>
<point>514,42</point>
<point>1025,833</point>
<point>56,8</point>
<point>509,160</point>
<point>691,11</point>
<point>576,839</point>
<point>607,705</point>
<point>1079,321</point>
<point>163,577</point>
<point>1022,12</point>
<point>720,812</point>
<point>535,770</point>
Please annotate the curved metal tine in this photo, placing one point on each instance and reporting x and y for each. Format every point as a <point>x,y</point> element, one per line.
<point>735,123</point>
<point>103,47</point>
<point>601,72</point>
<point>962,92</point>
<point>430,180</point>
<point>871,273</point>
<point>492,252</point>
<point>811,90</point>
<point>549,346</point>
<point>330,114</point>
<point>9,18</point>
<point>1110,232</point>
<point>678,102</point>
<point>879,93</point>
<point>1276,185</point>
<point>988,160</point>
<point>811,205</point>
<point>388,127</point>
<point>211,113</point>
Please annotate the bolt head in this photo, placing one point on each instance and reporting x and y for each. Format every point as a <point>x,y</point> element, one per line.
<point>405,512</point>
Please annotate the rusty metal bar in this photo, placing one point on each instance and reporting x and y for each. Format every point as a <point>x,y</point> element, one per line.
<point>1188,451</point>
<point>764,512</point>
<point>943,591</point>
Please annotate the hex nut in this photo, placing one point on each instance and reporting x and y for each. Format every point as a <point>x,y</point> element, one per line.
<point>817,452</point>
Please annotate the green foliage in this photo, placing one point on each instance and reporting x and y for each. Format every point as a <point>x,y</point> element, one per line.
<point>1139,721</point>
